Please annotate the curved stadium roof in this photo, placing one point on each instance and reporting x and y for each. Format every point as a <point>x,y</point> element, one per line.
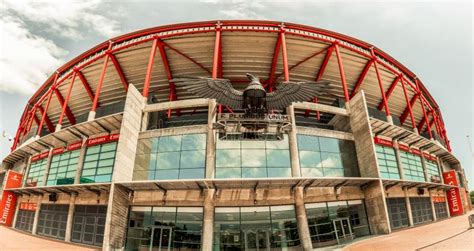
<point>258,47</point>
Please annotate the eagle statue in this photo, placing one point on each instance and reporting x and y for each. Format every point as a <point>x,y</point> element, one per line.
<point>254,99</point>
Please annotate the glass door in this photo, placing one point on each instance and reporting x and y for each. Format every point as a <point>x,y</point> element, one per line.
<point>343,230</point>
<point>161,238</point>
<point>257,239</point>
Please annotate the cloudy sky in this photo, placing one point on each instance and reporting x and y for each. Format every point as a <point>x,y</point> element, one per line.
<point>433,39</point>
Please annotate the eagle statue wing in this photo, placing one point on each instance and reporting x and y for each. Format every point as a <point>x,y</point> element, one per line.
<point>289,92</point>
<point>219,89</point>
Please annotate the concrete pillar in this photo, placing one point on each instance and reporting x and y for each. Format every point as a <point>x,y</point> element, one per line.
<point>303,228</point>
<point>58,128</point>
<point>17,208</point>
<point>129,132</point>
<point>91,116</point>
<point>70,217</point>
<point>211,141</point>
<point>407,202</point>
<point>80,161</point>
<point>377,212</point>
<point>25,171</point>
<point>390,119</point>
<point>399,160</point>
<point>48,165</point>
<point>440,170</point>
<point>432,205</point>
<point>117,217</point>
<point>37,212</point>
<point>293,144</point>
<point>425,170</point>
<point>208,222</point>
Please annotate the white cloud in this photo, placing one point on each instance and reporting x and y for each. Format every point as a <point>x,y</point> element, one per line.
<point>26,60</point>
<point>28,55</point>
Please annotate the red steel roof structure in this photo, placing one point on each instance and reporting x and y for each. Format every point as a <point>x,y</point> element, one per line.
<point>274,51</point>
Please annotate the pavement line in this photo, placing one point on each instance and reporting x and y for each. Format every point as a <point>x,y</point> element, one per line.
<point>445,239</point>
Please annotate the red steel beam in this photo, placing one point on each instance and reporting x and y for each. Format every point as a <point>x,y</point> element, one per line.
<point>379,80</point>
<point>284,53</point>
<point>341,72</point>
<point>215,58</point>
<point>187,57</point>
<point>64,105</point>
<point>45,112</point>
<point>361,77</point>
<point>62,102</point>
<point>423,108</point>
<point>119,70</point>
<point>169,76</point>
<point>86,85</point>
<point>151,60</point>
<point>389,92</point>
<point>49,124</point>
<point>101,79</point>
<point>30,123</point>
<point>422,123</point>
<point>271,75</point>
<point>325,62</point>
<point>409,106</point>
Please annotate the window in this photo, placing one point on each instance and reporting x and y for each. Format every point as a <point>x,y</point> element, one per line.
<point>440,209</point>
<point>36,173</point>
<point>252,158</point>
<point>255,228</point>
<point>99,163</point>
<point>433,171</point>
<point>387,162</point>
<point>24,220</point>
<point>412,167</point>
<point>421,210</point>
<point>321,156</point>
<point>63,168</point>
<point>89,224</point>
<point>171,157</point>
<point>52,220</point>
<point>321,215</point>
<point>171,228</point>
<point>397,212</point>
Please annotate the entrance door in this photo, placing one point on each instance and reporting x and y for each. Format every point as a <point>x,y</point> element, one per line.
<point>161,238</point>
<point>343,230</point>
<point>257,239</point>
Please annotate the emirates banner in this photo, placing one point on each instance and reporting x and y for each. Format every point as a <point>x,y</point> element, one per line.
<point>453,195</point>
<point>8,203</point>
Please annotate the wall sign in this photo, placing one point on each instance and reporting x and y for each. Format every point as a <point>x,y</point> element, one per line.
<point>28,206</point>
<point>383,142</point>
<point>453,195</point>
<point>102,140</point>
<point>8,202</point>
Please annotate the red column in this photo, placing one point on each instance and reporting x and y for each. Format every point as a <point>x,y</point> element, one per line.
<point>151,60</point>
<point>379,79</point>
<point>215,59</point>
<point>423,108</point>
<point>38,131</point>
<point>408,103</point>
<point>101,78</point>
<point>68,95</point>
<point>341,72</point>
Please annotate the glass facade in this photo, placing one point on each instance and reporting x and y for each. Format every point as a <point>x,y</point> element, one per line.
<point>52,220</point>
<point>387,161</point>
<point>421,210</point>
<point>252,158</point>
<point>99,163</point>
<point>397,212</point>
<point>441,210</point>
<point>63,167</point>
<point>333,222</point>
<point>412,167</point>
<point>432,170</point>
<point>171,157</point>
<point>330,157</point>
<point>36,173</point>
<point>164,228</point>
<point>89,224</point>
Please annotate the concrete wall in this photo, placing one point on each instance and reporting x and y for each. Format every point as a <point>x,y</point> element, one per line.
<point>117,218</point>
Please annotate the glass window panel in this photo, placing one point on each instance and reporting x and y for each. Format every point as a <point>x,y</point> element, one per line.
<point>193,159</point>
<point>228,158</point>
<point>307,142</point>
<point>167,174</point>
<point>331,160</point>
<point>169,143</point>
<point>194,173</point>
<point>279,172</point>
<point>254,172</point>
<point>193,142</point>
<point>310,159</point>
<point>168,160</point>
<point>329,144</point>
<point>254,158</point>
<point>222,173</point>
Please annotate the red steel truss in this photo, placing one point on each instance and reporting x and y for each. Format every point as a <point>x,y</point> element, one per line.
<point>337,42</point>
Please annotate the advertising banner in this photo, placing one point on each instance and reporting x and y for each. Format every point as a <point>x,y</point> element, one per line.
<point>453,195</point>
<point>8,202</point>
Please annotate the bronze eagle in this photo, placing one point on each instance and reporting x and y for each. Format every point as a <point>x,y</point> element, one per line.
<point>254,98</point>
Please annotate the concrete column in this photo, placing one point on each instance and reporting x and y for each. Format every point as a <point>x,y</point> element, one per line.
<point>48,165</point>
<point>399,160</point>
<point>390,119</point>
<point>25,171</point>
<point>91,116</point>
<point>211,141</point>
<point>80,161</point>
<point>303,228</point>
<point>129,132</point>
<point>293,141</point>
<point>440,170</point>
<point>407,202</point>
<point>37,212</point>
<point>17,208</point>
<point>432,205</point>
<point>208,222</point>
<point>116,219</point>
<point>70,217</point>
<point>425,170</point>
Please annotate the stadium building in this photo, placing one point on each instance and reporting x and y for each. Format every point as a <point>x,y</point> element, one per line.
<point>111,152</point>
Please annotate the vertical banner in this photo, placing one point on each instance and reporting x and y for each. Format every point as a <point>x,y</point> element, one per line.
<point>8,203</point>
<point>453,195</point>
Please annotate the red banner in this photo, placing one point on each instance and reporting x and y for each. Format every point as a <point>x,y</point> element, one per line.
<point>438,199</point>
<point>28,206</point>
<point>453,195</point>
<point>8,202</point>
<point>74,146</point>
<point>403,147</point>
<point>383,142</point>
<point>102,140</point>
